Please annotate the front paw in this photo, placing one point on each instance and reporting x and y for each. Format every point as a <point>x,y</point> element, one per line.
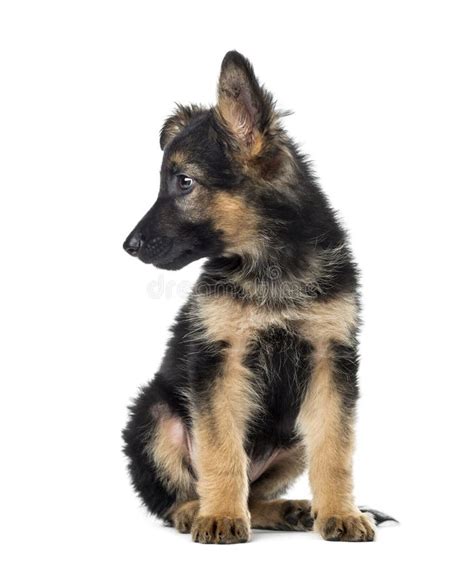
<point>220,529</point>
<point>350,527</point>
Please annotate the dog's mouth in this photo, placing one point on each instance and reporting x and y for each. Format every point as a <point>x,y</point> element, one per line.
<point>155,249</point>
<point>167,253</point>
<point>177,260</point>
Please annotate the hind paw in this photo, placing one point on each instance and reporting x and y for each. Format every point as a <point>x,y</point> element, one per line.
<point>279,514</point>
<point>297,514</point>
<point>183,516</point>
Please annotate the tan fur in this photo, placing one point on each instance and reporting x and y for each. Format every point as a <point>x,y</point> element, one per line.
<point>257,144</point>
<point>219,433</point>
<point>168,450</point>
<point>281,514</point>
<point>330,320</point>
<point>234,116</point>
<point>178,159</point>
<point>333,320</point>
<point>266,513</point>
<point>236,220</point>
<point>328,439</point>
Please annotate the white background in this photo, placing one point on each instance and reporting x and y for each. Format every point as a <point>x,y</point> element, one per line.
<point>383,100</point>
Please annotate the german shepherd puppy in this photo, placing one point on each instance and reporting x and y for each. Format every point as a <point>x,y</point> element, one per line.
<point>259,380</point>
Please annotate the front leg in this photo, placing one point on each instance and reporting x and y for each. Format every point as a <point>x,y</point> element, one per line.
<point>326,421</point>
<point>219,428</point>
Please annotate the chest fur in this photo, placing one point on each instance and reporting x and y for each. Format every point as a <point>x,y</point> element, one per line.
<point>237,323</point>
<point>269,357</point>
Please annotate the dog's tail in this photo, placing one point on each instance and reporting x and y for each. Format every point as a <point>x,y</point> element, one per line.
<point>379,517</point>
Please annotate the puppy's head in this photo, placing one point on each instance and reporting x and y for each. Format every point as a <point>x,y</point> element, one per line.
<point>213,164</point>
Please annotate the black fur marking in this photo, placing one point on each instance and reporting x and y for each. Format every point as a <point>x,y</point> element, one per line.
<point>346,365</point>
<point>205,369</point>
<point>282,367</point>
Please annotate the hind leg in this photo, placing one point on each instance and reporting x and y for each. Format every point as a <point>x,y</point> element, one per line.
<point>266,509</point>
<point>159,465</point>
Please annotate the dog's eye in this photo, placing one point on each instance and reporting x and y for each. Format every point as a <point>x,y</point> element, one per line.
<point>185,183</point>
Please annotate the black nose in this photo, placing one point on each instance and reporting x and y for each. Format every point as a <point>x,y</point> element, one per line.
<point>133,243</point>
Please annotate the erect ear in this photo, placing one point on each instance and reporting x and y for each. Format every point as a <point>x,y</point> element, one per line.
<point>245,107</point>
<point>178,121</point>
